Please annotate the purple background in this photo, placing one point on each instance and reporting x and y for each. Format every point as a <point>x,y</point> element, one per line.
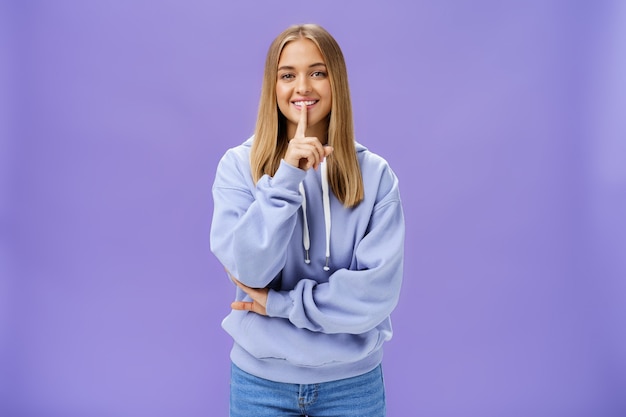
<point>504,121</point>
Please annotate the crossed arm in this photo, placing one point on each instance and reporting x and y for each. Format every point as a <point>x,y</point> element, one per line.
<point>258,295</point>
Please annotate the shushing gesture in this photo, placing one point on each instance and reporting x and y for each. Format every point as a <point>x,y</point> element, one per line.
<point>305,152</point>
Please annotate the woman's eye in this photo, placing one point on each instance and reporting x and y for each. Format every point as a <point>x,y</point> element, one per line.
<point>319,74</point>
<point>286,76</point>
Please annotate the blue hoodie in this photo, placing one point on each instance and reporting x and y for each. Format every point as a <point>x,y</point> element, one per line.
<point>334,273</point>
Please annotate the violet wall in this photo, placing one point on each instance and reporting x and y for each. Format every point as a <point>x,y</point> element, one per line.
<point>504,121</point>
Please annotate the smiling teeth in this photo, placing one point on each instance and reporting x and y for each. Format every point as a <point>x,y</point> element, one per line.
<point>306,103</point>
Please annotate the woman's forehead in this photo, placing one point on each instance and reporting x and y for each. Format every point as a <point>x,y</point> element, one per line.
<point>301,51</point>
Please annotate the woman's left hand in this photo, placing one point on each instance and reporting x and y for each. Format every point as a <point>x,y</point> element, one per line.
<point>258,295</point>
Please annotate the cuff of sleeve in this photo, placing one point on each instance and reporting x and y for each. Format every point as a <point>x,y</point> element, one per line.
<point>278,304</point>
<point>288,176</point>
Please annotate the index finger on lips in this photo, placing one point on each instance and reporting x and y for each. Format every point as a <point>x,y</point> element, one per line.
<point>301,128</point>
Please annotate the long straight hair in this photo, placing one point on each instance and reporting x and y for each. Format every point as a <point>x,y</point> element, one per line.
<point>270,136</point>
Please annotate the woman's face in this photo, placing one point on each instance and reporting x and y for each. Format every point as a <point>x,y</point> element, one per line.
<point>303,80</point>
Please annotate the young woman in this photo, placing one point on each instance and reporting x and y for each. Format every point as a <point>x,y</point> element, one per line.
<point>309,226</point>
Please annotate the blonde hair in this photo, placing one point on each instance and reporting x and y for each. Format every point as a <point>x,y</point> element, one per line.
<point>270,136</point>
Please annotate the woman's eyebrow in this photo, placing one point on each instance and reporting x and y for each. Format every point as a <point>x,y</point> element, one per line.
<point>290,68</point>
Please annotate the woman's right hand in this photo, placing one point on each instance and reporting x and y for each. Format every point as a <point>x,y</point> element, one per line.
<point>305,152</point>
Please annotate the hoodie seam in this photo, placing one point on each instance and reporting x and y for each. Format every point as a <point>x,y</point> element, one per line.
<point>384,204</point>
<point>225,187</point>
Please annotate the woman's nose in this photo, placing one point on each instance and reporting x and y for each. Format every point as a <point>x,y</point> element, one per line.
<point>304,86</point>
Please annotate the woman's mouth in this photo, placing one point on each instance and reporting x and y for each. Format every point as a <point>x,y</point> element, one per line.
<point>307,103</point>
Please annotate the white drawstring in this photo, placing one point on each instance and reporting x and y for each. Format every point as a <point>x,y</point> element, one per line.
<point>306,241</point>
<point>326,203</point>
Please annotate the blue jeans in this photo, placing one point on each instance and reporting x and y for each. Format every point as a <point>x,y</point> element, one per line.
<point>360,396</point>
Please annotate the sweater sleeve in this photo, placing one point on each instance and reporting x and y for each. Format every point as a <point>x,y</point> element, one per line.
<point>251,227</point>
<point>353,300</point>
